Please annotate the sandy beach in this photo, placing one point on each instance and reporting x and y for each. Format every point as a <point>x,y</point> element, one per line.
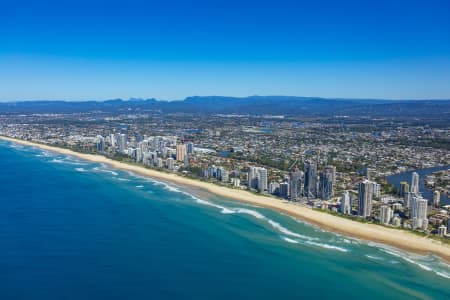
<point>369,232</point>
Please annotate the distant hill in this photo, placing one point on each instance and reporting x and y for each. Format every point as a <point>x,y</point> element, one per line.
<point>256,105</point>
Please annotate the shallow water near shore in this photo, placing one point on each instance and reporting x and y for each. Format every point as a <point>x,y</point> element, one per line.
<point>72,229</point>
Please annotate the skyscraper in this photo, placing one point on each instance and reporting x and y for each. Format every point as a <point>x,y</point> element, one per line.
<point>365,194</point>
<point>295,183</point>
<point>257,179</point>
<point>415,183</point>
<point>346,203</point>
<point>180,152</point>
<point>419,208</point>
<point>407,199</point>
<point>169,163</point>
<point>284,190</point>
<point>262,180</point>
<point>326,184</point>
<point>310,186</point>
<point>189,148</point>
<point>404,188</point>
<point>385,214</point>
<point>436,198</point>
<point>100,143</point>
<point>122,142</point>
<point>252,178</point>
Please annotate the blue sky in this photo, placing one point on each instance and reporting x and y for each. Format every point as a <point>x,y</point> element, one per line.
<point>78,50</point>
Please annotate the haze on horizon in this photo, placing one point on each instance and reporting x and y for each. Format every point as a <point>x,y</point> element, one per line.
<point>96,50</point>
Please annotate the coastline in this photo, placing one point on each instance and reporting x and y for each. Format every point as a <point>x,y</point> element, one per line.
<point>368,232</point>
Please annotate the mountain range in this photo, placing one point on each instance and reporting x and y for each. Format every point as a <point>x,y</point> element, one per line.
<point>253,105</point>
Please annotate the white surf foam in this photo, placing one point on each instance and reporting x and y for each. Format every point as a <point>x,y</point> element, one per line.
<point>122,179</point>
<point>80,169</point>
<point>374,257</point>
<point>241,210</point>
<point>65,161</point>
<point>327,246</point>
<point>109,171</point>
<point>428,263</point>
<point>289,240</point>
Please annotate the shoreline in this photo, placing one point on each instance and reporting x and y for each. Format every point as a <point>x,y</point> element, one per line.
<point>368,232</point>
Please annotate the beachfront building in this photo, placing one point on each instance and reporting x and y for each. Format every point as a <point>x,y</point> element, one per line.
<point>419,212</point>
<point>310,185</point>
<point>257,179</point>
<point>262,180</point>
<point>385,214</point>
<point>180,152</point>
<point>284,190</point>
<point>295,180</point>
<point>100,143</point>
<point>121,142</point>
<point>365,195</point>
<point>252,176</point>
<point>170,163</point>
<point>326,184</point>
<point>346,203</point>
<point>415,183</point>
<point>274,188</point>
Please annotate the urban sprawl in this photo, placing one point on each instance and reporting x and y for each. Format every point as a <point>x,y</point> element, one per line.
<point>335,164</point>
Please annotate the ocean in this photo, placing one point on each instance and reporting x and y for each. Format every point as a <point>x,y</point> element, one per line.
<point>71,229</point>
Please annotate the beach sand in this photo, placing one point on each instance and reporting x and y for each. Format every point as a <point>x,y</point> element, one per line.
<point>369,232</point>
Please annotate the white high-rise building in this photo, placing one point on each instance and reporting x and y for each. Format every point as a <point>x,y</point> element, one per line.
<point>252,178</point>
<point>113,141</point>
<point>376,190</point>
<point>262,180</point>
<point>274,188</point>
<point>365,194</point>
<point>169,163</point>
<point>346,203</point>
<point>436,198</point>
<point>122,143</point>
<point>419,208</point>
<point>415,183</point>
<point>385,214</point>
<point>407,200</point>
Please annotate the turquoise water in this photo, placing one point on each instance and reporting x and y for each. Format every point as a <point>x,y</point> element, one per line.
<point>71,229</point>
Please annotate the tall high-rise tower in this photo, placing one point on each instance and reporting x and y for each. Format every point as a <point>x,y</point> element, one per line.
<point>365,194</point>
<point>346,203</point>
<point>296,186</point>
<point>262,179</point>
<point>326,184</point>
<point>415,183</point>
<point>181,152</point>
<point>310,186</point>
<point>419,207</point>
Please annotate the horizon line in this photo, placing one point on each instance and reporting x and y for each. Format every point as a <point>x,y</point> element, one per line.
<point>222,96</point>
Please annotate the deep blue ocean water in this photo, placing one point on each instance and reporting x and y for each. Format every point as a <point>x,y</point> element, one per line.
<point>71,229</point>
